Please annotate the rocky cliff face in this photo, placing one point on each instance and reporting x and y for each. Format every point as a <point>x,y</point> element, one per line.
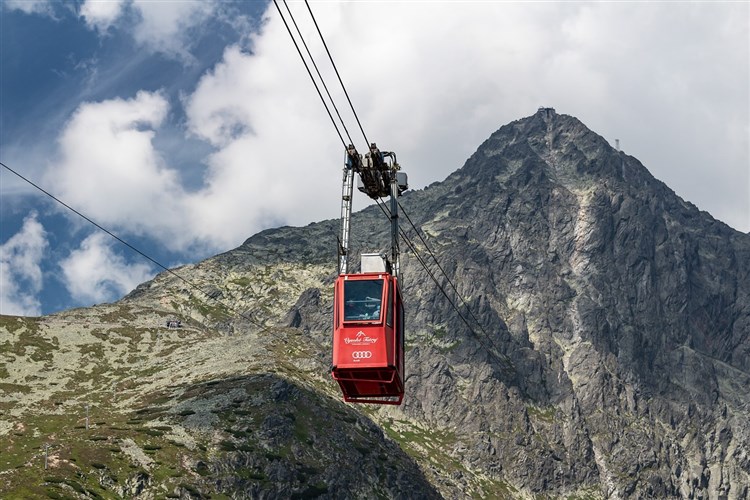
<point>623,310</point>
<point>601,348</point>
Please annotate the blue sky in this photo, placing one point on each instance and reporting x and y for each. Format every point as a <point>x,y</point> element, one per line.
<point>186,127</point>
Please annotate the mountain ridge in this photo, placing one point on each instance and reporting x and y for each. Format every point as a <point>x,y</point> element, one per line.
<point>606,353</point>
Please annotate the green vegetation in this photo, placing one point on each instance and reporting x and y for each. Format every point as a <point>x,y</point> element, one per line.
<point>11,388</point>
<point>543,414</point>
<point>312,491</point>
<point>12,324</point>
<point>586,494</point>
<point>432,445</point>
<point>120,314</point>
<point>243,281</point>
<point>28,340</point>
<point>183,436</point>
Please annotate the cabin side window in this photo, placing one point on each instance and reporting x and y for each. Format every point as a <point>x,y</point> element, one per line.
<point>362,300</point>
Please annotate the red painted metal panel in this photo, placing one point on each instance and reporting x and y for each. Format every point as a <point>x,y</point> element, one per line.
<point>368,353</point>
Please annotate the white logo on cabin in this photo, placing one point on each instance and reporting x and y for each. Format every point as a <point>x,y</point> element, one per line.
<point>360,339</point>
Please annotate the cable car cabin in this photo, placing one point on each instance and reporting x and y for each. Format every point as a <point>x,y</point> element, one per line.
<point>368,338</point>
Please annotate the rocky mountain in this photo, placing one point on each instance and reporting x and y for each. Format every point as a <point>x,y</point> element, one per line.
<point>600,349</point>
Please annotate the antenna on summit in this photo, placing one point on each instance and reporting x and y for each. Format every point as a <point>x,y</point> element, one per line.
<point>617,144</point>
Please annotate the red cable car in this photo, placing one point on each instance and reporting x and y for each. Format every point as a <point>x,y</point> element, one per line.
<point>368,312</point>
<point>368,338</point>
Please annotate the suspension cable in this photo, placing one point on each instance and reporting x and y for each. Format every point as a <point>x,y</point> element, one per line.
<point>382,207</point>
<point>413,248</point>
<point>330,57</point>
<point>432,254</point>
<point>133,248</point>
<point>317,89</point>
<point>309,55</point>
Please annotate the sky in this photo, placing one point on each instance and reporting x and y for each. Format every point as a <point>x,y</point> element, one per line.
<point>185,127</point>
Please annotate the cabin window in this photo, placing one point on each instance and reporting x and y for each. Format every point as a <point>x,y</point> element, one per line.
<point>362,300</point>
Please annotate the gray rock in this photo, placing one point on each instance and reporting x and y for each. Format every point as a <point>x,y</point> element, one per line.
<point>600,346</point>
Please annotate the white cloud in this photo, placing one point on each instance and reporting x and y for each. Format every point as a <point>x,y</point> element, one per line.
<point>430,90</point>
<point>94,273</point>
<point>31,6</point>
<point>100,15</point>
<point>274,164</point>
<point>20,269</point>
<point>111,171</point>
<point>669,80</point>
<point>430,81</point>
<point>431,97</point>
<point>167,26</point>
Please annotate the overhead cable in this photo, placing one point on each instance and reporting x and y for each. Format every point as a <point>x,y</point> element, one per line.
<point>299,33</point>
<point>420,259</point>
<point>330,57</point>
<point>385,211</point>
<point>133,248</point>
<point>432,254</point>
<point>317,89</point>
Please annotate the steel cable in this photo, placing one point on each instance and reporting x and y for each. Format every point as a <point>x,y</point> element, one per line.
<point>315,84</point>
<point>413,248</point>
<point>133,248</point>
<point>381,205</point>
<point>330,57</point>
<point>312,60</point>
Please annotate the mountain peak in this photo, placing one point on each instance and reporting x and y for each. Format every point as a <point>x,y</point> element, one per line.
<point>595,342</point>
<point>549,150</point>
<point>562,145</point>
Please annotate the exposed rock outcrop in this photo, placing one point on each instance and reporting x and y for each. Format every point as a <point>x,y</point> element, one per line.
<point>601,348</point>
